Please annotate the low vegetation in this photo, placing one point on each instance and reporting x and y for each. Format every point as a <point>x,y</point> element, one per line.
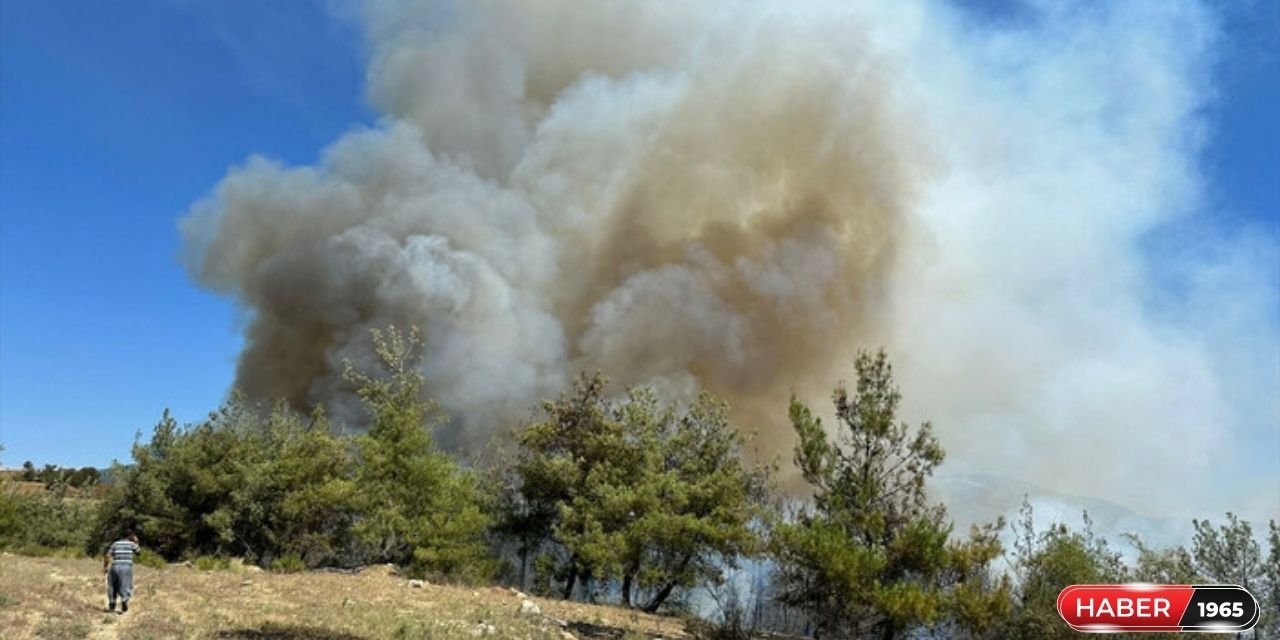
<point>627,500</point>
<point>63,598</point>
<point>44,523</point>
<point>54,477</point>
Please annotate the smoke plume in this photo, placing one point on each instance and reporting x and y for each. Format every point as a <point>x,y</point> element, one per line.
<point>737,195</point>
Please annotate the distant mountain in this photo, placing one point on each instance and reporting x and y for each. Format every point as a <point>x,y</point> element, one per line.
<point>974,498</point>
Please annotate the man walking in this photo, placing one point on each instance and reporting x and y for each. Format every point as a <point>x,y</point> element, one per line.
<point>117,563</point>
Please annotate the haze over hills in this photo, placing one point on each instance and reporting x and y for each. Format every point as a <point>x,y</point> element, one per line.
<point>978,498</point>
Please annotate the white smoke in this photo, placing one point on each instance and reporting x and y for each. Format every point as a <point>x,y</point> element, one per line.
<point>738,195</point>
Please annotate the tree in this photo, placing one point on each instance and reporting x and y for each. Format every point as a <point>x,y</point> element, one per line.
<point>145,497</point>
<point>272,484</point>
<point>245,482</point>
<point>1172,565</point>
<point>556,459</point>
<point>1269,598</point>
<point>40,523</point>
<point>873,557</point>
<point>1045,563</point>
<point>634,492</point>
<point>1230,554</point>
<point>83,478</point>
<point>416,505</point>
<point>691,507</point>
<point>295,494</point>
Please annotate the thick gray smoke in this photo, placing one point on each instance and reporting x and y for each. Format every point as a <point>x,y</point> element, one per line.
<point>737,195</point>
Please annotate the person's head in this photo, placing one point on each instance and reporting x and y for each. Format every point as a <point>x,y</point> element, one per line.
<point>130,535</point>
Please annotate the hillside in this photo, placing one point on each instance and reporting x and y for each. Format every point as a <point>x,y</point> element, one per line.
<point>64,598</point>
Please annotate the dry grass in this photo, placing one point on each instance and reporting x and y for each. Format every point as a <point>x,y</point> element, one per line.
<point>65,598</point>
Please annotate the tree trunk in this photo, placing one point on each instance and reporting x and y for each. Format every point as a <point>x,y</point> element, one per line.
<point>659,597</point>
<point>664,593</point>
<point>889,631</point>
<point>524,566</point>
<point>570,582</point>
<point>627,580</point>
<point>626,590</point>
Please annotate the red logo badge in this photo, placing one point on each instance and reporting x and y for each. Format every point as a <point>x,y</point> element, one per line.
<point>1157,607</point>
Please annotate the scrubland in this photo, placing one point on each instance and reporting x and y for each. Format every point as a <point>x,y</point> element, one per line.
<point>61,598</point>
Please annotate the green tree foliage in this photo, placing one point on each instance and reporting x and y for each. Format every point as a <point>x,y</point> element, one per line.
<point>1048,561</point>
<point>1173,565</point>
<point>634,493</point>
<point>42,523</point>
<point>241,483</point>
<point>54,476</point>
<point>268,485</point>
<point>552,471</point>
<point>874,558</point>
<point>1230,554</point>
<point>417,506</point>
<point>295,493</point>
<point>1269,597</point>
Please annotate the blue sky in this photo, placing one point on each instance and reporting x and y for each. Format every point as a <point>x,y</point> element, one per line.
<point>115,117</point>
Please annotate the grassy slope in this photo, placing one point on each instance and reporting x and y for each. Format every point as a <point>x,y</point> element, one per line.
<point>61,598</point>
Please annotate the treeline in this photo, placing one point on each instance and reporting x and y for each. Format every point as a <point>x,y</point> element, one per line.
<point>54,476</point>
<point>630,500</point>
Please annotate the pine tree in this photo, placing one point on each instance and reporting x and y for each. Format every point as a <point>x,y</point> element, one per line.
<point>634,492</point>
<point>1048,561</point>
<point>415,505</point>
<point>872,557</point>
<point>1269,597</point>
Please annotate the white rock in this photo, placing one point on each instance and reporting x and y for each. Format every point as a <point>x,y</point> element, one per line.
<point>530,608</point>
<point>483,629</point>
<point>417,584</point>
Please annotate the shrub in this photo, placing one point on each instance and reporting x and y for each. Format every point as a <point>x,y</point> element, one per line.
<point>150,559</point>
<point>212,563</point>
<point>43,523</point>
<point>40,551</point>
<point>288,564</point>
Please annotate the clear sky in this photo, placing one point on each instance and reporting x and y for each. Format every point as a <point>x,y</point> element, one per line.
<point>115,117</point>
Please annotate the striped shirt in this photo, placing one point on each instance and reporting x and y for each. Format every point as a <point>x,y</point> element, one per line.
<point>123,551</point>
